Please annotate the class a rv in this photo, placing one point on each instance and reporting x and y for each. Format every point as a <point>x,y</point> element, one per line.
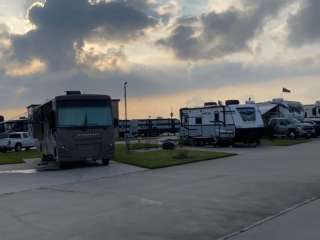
<point>214,123</point>
<point>312,111</point>
<point>73,128</point>
<point>211,124</point>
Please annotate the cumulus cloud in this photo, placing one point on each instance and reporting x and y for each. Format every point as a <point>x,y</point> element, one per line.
<point>63,25</point>
<point>303,26</point>
<point>216,34</point>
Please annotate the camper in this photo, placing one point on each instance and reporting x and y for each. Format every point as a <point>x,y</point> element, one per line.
<point>281,108</point>
<point>210,124</point>
<point>248,121</point>
<point>2,129</point>
<point>232,122</point>
<point>73,128</point>
<point>312,111</point>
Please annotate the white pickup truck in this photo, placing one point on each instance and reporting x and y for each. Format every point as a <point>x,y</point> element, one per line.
<point>16,141</point>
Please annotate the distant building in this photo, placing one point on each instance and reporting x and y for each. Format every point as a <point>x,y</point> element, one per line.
<point>149,127</point>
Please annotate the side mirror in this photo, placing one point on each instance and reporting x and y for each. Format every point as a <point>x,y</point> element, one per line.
<point>116,122</point>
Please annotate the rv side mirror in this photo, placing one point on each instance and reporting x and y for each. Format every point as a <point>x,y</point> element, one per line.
<point>116,122</point>
<point>53,121</point>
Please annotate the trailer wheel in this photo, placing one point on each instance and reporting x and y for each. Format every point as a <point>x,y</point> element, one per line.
<point>105,162</point>
<point>18,147</point>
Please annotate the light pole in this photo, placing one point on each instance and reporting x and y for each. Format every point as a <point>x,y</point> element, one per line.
<point>126,116</point>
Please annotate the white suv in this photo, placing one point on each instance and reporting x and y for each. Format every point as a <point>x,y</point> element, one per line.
<point>16,141</point>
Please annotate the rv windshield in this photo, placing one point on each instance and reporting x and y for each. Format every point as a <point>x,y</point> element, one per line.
<point>247,114</point>
<point>85,116</point>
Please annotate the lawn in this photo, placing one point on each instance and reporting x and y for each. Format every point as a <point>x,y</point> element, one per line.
<point>165,158</point>
<point>138,146</point>
<point>17,157</point>
<point>284,142</point>
<point>147,159</point>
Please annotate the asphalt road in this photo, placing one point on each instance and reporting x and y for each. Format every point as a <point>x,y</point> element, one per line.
<point>202,201</point>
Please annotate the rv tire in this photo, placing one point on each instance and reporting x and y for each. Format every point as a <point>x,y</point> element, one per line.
<point>105,162</point>
<point>64,165</point>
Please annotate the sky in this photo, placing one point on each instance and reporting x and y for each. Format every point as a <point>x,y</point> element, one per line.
<point>172,53</point>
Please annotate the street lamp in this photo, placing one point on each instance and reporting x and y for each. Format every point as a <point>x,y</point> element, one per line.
<point>126,116</point>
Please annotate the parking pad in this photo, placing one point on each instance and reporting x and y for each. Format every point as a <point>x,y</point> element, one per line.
<point>28,176</point>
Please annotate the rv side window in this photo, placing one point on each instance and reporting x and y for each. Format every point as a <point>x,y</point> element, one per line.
<point>198,120</point>
<point>186,118</point>
<point>314,111</point>
<point>216,117</point>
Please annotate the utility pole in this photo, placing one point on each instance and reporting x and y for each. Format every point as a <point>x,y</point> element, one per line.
<point>126,135</point>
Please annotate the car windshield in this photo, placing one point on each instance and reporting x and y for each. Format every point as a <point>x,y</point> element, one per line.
<point>247,114</point>
<point>85,116</point>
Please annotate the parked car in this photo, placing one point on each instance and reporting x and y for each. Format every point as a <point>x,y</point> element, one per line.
<point>316,125</point>
<point>290,127</point>
<point>16,141</point>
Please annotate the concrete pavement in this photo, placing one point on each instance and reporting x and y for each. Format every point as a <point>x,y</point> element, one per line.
<point>205,200</point>
<point>301,223</point>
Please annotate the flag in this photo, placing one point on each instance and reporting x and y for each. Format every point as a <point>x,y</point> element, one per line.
<point>286,90</point>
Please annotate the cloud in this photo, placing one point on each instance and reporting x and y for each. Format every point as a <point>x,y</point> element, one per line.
<point>63,25</point>
<point>217,34</point>
<point>303,26</point>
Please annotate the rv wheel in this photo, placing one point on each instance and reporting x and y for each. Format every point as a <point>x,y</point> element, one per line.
<point>106,162</point>
<point>64,165</point>
<point>18,147</point>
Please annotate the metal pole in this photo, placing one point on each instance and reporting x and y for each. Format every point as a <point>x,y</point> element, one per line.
<point>126,116</point>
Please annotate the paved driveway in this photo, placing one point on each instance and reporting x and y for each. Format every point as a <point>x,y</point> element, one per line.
<point>200,201</point>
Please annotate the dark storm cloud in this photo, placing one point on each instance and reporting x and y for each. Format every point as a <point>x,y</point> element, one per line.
<point>213,34</point>
<point>62,25</point>
<point>304,25</point>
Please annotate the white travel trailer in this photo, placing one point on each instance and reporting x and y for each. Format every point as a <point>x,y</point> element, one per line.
<point>312,111</point>
<point>248,122</point>
<point>281,108</point>
<point>211,124</point>
<point>224,123</point>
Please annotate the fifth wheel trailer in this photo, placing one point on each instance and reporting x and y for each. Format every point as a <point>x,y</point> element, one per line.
<point>73,128</point>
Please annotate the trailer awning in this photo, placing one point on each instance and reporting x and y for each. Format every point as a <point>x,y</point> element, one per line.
<point>267,107</point>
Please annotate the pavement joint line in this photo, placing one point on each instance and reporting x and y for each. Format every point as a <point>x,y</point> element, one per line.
<point>73,182</point>
<point>269,219</point>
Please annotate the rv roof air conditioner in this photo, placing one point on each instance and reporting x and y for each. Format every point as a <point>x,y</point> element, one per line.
<point>277,100</point>
<point>73,92</point>
<point>210,104</point>
<point>232,102</point>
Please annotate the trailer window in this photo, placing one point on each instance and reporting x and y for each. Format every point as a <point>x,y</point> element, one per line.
<point>217,117</point>
<point>90,116</point>
<point>247,114</point>
<point>314,111</point>
<point>198,120</point>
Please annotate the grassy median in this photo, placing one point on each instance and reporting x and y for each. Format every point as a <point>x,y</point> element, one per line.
<point>17,157</point>
<point>146,159</point>
<point>284,142</point>
<point>165,158</point>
